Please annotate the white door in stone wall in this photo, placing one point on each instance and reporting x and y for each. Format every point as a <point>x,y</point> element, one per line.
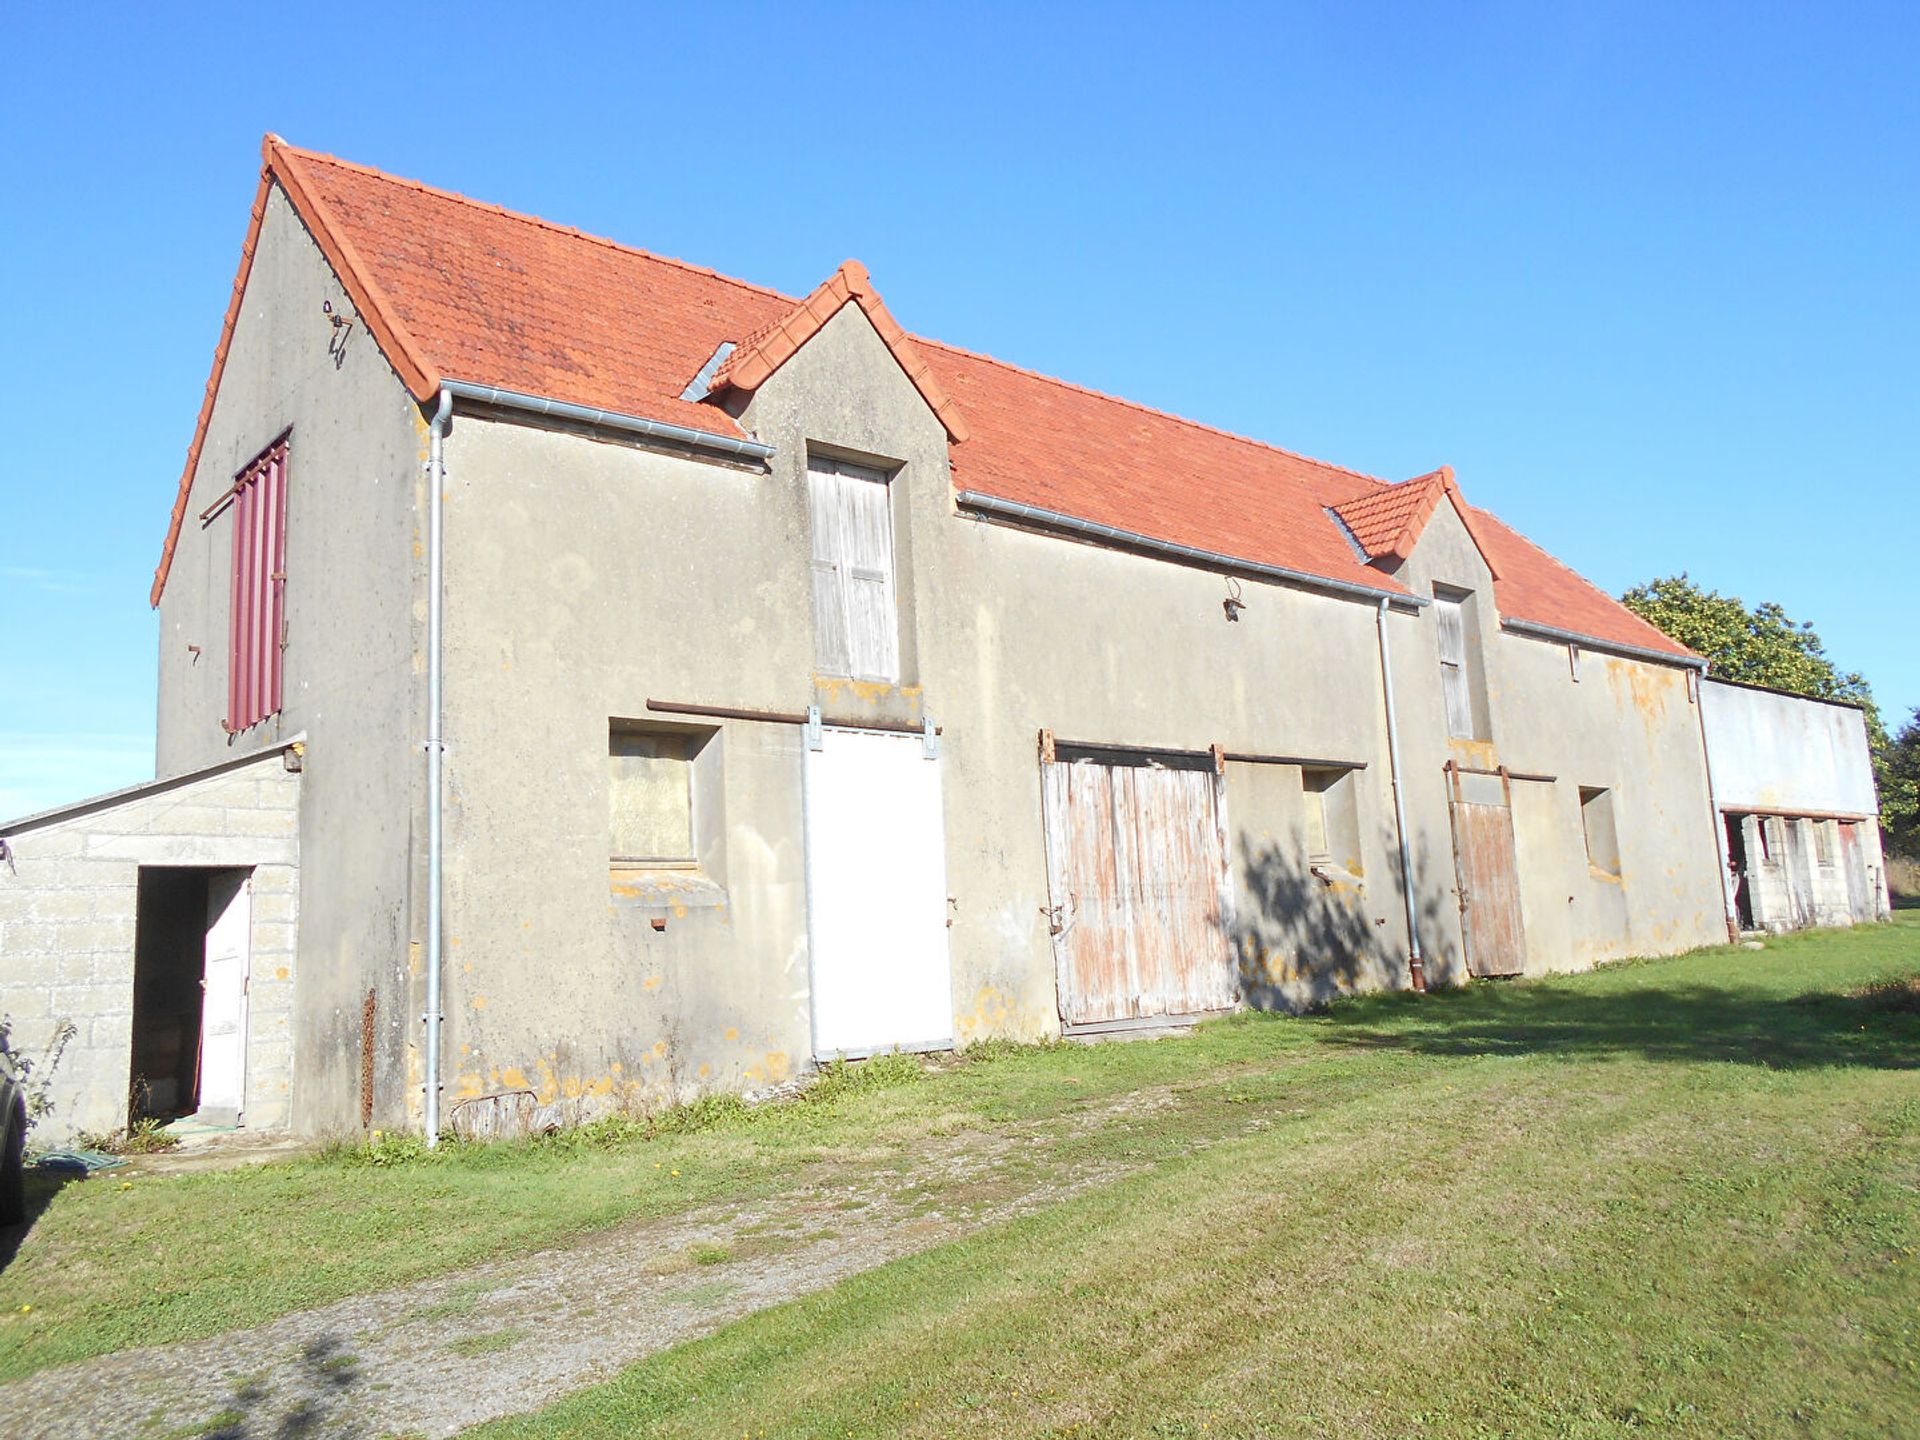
<point>223,1020</point>
<point>876,895</point>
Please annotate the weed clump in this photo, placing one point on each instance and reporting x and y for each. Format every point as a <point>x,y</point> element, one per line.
<point>143,1137</point>
<point>842,1079</point>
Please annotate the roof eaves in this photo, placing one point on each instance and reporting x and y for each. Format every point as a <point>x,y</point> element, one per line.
<point>416,372</point>
<point>279,162</point>
<point>199,440</point>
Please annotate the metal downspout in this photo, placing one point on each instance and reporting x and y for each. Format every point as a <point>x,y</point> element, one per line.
<point>436,497</point>
<point>1729,899</point>
<point>1416,964</point>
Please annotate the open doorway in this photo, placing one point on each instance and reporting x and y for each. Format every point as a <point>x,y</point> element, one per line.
<point>1739,876</point>
<point>190,963</point>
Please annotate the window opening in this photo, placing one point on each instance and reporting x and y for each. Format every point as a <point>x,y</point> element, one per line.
<point>650,787</point>
<point>1597,820</point>
<point>856,632</point>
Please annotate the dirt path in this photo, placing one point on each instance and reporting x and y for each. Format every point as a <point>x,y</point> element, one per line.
<point>507,1337</point>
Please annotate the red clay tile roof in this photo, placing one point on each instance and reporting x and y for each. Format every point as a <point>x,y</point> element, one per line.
<point>452,288</point>
<point>1387,523</point>
<point>1535,587</point>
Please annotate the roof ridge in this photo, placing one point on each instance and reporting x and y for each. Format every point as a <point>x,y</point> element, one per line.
<point>536,221</point>
<point>1191,424</point>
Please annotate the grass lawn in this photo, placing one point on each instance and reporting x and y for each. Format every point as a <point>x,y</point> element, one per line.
<point>1678,1195</point>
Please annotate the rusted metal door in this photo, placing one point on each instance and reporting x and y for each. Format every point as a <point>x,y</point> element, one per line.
<point>1487,871</point>
<point>1136,867</point>
<point>1854,866</point>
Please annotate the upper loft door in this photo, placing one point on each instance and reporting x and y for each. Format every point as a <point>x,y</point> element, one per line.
<point>876,895</point>
<point>1137,872</point>
<point>223,1026</point>
<point>1487,871</point>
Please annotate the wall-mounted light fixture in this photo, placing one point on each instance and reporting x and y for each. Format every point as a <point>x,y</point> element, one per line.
<point>1233,604</point>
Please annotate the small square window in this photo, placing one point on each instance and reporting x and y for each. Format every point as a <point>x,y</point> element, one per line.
<point>1603,838</point>
<point>1332,817</point>
<point>650,791</point>
<point>1823,832</point>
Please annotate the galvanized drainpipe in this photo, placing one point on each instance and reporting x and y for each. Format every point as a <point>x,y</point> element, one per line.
<point>436,496</point>
<point>1416,965</point>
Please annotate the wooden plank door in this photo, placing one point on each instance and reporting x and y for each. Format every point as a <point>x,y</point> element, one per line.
<point>223,1023</point>
<point>1487,871</point>
<point>1137,875</point>
<point>876,895</point>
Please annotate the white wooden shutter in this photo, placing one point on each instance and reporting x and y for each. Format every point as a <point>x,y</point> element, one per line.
<point>829,584</point>
<point>856,630</point>
<point>1453,667</point>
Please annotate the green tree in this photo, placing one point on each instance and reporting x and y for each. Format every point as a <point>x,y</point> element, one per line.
<point>1899,777</point>
<point>1766,646</point>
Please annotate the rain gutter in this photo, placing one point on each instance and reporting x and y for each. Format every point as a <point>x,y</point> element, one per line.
<point>1073,525</point>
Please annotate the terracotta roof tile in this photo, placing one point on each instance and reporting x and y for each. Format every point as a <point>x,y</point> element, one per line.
<point>1387,522</point>
<point>771,346</point>
<point>1536,587</point>
<point>453,288</point>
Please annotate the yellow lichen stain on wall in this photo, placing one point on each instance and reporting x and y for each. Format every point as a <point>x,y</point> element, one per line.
<point>1646,688</point>
<point>413,958</point>
<point>478,1002</point>
<point>733,1032</point>
<point>280,972</point>
<point>1271,967</point>
<point>652,982</point>
<point>1475,754</point>
<point>872,692</point>
<point>779,1067</point>
<point>992,1014</point>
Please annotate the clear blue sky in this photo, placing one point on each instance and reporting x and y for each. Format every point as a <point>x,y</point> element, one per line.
<point>1648,277</point>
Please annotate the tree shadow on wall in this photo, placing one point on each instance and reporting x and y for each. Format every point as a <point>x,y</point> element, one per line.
<point>1305,935</point>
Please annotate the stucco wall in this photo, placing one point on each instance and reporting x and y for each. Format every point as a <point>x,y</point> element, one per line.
<point>68,904</point>
<point>585,577</point>
<point>355,601</point>
<point>1625,725</point>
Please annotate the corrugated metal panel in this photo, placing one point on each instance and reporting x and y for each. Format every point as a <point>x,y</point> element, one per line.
<point>1486,868</point>
<point>1785,753</point>
<point>857,633</point>
<point>257,596</point>
<point>1137,868</point>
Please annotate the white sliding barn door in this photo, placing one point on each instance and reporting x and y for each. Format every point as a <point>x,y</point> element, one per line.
<point>876,895</point>
<point>223,1018</point>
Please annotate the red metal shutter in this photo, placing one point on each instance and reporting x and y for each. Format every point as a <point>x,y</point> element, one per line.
<point>257,619</point>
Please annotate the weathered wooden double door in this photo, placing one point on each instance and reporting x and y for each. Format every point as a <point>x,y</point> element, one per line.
<point>1486,869</point>
<point>1137,875</point>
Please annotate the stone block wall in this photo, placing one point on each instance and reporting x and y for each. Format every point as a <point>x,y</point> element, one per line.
<point>69,900</point>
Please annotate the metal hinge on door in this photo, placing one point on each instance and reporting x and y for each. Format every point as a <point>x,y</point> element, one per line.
<point>816,740</point>
<point>929,738</point>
